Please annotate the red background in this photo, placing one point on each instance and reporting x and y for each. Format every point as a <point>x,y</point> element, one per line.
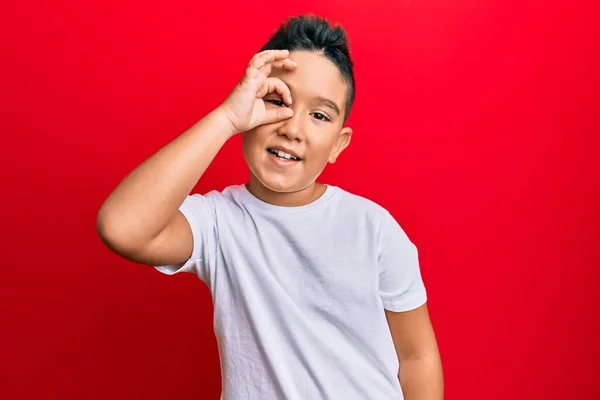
<point>475,125</point>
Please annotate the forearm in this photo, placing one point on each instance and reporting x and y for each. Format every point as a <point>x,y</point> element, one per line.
<point>421,378</point>
<point>144,202</point>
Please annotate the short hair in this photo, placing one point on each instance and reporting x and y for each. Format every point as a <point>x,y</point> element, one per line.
<point>313,33</point>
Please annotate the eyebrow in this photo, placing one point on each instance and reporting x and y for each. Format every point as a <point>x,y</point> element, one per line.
<point>323,100</point>
<point>330,104</point>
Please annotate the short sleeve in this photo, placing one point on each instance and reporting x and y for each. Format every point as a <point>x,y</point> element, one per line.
<point>400,283</point>
<point>200,213</point>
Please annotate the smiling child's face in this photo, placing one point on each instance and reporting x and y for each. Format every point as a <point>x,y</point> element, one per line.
<point>314,136</point>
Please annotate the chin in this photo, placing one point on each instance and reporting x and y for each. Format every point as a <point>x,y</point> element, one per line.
<point>280,184</point>
<point>277,179</point>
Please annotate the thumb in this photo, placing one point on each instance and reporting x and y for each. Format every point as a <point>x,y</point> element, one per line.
<point>278,114</point>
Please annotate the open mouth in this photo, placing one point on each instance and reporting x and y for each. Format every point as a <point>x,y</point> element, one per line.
<point>283,155</point>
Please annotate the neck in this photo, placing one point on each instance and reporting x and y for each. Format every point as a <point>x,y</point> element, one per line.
<point>285,199</point>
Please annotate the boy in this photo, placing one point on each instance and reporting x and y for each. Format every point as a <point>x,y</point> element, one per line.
<point>317,292</point>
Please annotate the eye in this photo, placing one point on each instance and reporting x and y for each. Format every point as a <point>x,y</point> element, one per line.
<point>276,102</point>
<point>320,117</point>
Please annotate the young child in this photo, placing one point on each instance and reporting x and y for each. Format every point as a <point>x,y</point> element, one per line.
<point>317,292</point>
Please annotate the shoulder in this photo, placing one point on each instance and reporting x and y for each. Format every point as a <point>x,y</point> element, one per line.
<point>361,205</point>
<point>376,218</point>
<point>216,198</point>
<point>213,203</point>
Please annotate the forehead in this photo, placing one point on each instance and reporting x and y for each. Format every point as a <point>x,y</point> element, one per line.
<point>316,76</point>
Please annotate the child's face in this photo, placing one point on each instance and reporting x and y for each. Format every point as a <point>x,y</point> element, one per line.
<point>315,133</point>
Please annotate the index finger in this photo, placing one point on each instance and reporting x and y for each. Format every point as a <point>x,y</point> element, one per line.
<point>261,59</point>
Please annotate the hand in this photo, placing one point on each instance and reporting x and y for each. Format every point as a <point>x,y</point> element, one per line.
<point>245,108</point>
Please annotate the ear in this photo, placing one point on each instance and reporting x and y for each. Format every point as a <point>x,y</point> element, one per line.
<point>342,141</point>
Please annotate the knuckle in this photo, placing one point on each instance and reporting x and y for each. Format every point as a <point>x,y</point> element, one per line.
<point>251,72</point>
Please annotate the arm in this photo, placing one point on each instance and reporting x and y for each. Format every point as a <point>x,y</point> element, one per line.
<point>140,220</point>
<point>421,376</point>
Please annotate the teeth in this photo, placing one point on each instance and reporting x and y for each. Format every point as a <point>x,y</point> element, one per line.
<point>284,154</point>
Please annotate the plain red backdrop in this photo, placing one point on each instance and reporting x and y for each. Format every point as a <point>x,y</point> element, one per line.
<point>475,125</point>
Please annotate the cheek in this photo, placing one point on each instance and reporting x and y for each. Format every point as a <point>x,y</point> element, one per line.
<point>251,141</point>
<point>322,147</point>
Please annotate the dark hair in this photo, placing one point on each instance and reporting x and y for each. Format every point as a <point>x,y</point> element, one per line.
<point>312,33</point>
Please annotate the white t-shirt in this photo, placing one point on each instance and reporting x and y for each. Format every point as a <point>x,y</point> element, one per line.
<point>299,293</point>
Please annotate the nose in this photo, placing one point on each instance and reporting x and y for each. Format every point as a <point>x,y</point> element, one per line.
<point>292,128</point>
